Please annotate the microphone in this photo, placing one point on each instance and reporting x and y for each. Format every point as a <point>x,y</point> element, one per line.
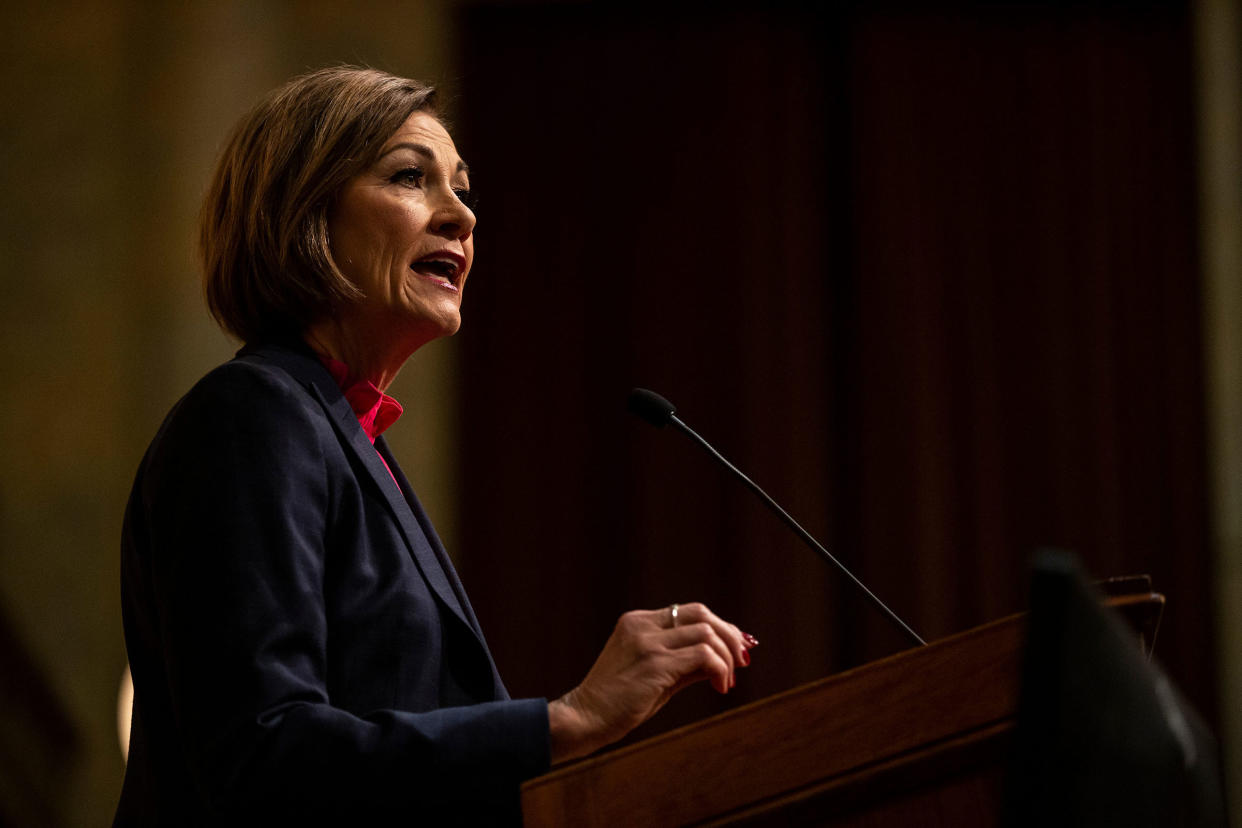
<point>658,411</point>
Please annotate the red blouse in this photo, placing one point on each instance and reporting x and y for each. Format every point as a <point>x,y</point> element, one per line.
<point>375,410</point>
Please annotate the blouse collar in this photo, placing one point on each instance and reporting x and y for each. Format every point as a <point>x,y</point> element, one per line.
<point>375,410</point>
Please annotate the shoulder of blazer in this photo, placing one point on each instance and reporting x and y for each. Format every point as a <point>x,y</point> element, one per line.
<point>298,362</point>
<point>240,391</point>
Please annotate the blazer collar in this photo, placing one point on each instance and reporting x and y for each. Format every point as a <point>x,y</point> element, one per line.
<point>300,362</point>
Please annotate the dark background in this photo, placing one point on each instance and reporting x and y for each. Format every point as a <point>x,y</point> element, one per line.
<point>927,275</point>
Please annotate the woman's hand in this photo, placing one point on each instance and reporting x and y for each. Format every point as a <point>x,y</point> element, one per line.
<point>649,656</point>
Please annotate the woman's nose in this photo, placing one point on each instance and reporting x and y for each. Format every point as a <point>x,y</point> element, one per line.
<point>453,219</point>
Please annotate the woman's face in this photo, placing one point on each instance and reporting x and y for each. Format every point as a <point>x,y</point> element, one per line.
<point>401,233</point>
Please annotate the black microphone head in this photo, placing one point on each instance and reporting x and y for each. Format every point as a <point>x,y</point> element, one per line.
<point>651,407</point>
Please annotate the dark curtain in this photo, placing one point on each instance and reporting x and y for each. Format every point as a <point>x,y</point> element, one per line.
<point>928,276</point>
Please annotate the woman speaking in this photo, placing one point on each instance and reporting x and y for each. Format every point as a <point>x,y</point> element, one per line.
<point>302,650</point>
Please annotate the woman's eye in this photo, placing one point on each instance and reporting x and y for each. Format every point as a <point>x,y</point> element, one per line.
<point>466,197</point>
<point>410,176</point>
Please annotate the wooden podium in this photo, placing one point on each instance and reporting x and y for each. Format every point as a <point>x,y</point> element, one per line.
<point>915,739</point>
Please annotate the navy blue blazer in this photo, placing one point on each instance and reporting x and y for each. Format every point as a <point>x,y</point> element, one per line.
<point>301,648</point>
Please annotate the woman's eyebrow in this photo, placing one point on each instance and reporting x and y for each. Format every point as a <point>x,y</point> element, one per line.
<point>423,149</point>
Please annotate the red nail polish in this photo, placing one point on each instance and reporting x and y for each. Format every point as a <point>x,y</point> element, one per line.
<point>750,640</point>
<point>745,659</point>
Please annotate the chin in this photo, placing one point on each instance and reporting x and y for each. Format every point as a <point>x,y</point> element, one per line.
<point>424,330</point>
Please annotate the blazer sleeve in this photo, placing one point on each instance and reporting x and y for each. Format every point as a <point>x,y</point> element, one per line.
<point>229,537</point>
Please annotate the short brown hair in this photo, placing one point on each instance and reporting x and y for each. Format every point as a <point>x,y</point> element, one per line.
<point>263,234</point>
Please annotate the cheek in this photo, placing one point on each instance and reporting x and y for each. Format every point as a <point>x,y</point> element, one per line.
<point>396,236</point>
<point>364,249</point>
<point>373,238</point>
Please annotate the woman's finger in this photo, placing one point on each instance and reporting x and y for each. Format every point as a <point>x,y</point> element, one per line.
<point>691,635</point>
<point>698,661</point>
<point>738,641</point>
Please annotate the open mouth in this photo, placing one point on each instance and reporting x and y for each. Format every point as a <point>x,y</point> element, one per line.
<point>444,269</point>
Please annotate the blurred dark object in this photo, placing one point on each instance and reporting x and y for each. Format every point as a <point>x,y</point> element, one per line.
<point>1135,605</point>
<point>1103,737</point>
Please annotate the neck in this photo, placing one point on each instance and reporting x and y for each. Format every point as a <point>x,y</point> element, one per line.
<point>375,359</point>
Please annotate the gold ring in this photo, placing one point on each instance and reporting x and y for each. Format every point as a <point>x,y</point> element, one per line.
<point>672,611</point>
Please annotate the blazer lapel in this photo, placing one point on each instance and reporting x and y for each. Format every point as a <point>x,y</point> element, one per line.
<point>446,564</point>
<point>306,369</point>
<point>429,532</point>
